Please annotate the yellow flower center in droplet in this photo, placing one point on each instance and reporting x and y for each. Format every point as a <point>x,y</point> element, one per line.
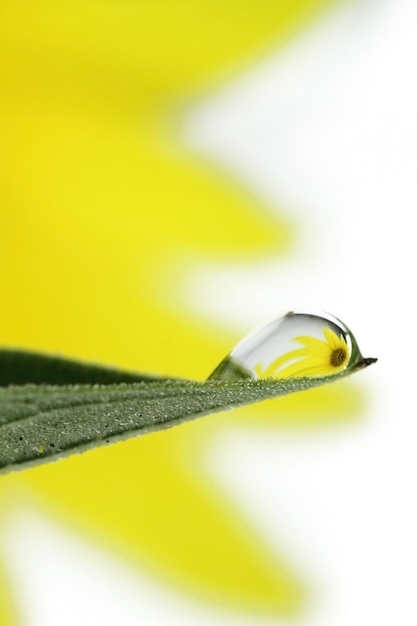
<point>338,357</point>
<point>317,357</point>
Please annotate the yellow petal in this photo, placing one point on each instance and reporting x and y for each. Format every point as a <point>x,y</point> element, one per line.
<point>104,214</point>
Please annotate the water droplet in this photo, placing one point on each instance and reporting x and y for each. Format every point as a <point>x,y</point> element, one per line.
<point>296,345</point>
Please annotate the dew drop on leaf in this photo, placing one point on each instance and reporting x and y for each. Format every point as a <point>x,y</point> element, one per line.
<point>300,344</point>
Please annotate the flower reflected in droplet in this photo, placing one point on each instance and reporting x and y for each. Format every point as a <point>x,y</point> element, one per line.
<point>299,344</point>
<point>317,357</point>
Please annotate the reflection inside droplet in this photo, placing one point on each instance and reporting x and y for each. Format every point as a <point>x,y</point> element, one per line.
<point>296,345</point>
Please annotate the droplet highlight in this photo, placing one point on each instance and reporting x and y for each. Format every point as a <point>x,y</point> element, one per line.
<point>300,344</point>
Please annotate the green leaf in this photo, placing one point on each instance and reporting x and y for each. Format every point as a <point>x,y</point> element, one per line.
<point>19,368</point>
<point>44,422</point>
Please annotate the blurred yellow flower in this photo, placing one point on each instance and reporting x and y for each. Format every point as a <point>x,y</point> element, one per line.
<point>102,213</point>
